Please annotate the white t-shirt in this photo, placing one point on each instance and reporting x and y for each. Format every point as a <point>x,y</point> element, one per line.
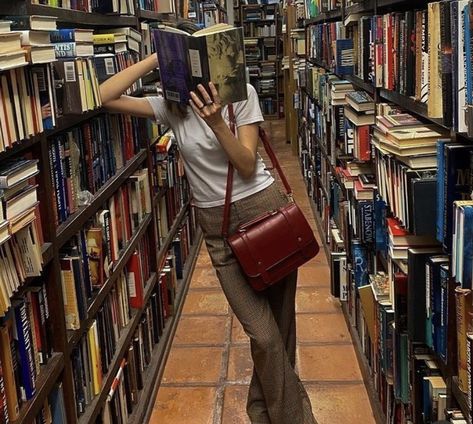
<point>205,161</point>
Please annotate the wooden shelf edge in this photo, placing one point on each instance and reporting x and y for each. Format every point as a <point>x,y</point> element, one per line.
<point>63,123</point>
<point>151,15</point>
<point>46,379</point>
<point>104,291</point>
<point>372,394</point>
<point>76,221</point>
<point>79,17</point>
<point>461,398</point>
<point>365,370</point>
<point>154,372</point>
<point>93,409</point>
<point>172,231</point>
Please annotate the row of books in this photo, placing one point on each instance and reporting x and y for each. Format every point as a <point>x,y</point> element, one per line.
<point>53,410</point>
<point>168,178</point>
<point>84,158</point>
<point>89,258</point>
<point>26,345</point>
<point>314,8</point>
<point>373,171</point>
<point>123,7</point>
<point>399,51</point>
<point>32,98</point>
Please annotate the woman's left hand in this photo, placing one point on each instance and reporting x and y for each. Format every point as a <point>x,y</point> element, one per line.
<point>210,109</point>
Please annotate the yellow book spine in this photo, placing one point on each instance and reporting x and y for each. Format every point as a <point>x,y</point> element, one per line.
<point>104,38</point>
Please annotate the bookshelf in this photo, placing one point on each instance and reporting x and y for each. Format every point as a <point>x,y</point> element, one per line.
<point>327,163</point>
<point>262,28</point>
<point>166,231</point>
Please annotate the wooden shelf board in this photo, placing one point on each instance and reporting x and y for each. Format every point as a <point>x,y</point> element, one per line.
<point>410,105</point>
<point>365,370</point>
<point>461,398</point>
<point>47,253</point>
<point>100,296</point>
<point>24,7</point>
<point>76,221</point>
<point>142,411</point>
<point>327,16</point>
<point>151,15</point>
<point>47,377</point>
<point>92,410</point>
<point>62,124</point>
<point>172,231</point>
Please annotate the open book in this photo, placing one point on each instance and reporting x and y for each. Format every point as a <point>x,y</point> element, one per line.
<point>212,54</point>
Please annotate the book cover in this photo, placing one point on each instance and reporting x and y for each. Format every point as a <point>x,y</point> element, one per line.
<point>186,61</point>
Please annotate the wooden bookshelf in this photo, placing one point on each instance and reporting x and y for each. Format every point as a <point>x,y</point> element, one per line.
<point>47,377</point>
<point>59,366</point>
<point>448,369</point>
<point>155,370</point>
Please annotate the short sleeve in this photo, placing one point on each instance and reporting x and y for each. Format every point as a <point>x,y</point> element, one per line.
<point>248,111</point>
<point>158,104</point>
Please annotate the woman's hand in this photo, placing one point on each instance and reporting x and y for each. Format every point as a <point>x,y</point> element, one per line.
<point>210,109</point>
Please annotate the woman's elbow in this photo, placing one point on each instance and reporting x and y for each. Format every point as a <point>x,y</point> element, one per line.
<point>247,172</point>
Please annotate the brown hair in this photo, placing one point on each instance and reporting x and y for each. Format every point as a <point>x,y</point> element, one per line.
<point>177,109</point>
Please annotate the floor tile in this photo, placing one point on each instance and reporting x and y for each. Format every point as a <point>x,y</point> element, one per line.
<point>211,302</point>
<point>234,405</point>
<point>184,405</point>
<point>315,299</point>
<point>201,330</point>
<point>240,365</point>
<point>238,334</point>
<point>322,328</point>
<point>193,365</point>
<point>340,404</point>
<point>204,277</point>
<point>313,275</point>
<point>328,363</point>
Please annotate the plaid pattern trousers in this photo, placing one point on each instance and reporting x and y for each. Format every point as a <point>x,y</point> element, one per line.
<point>276,394</point>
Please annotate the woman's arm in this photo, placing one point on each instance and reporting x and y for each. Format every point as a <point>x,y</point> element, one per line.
<point>241,151</point>
<point>112,90</point>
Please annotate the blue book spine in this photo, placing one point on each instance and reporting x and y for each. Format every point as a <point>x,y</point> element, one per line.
<point>366,221</point>
<point>62,35</point>
<point>381,234</point>
<point>440,188</point>
<point>429,322</point>
<point>360,264</point>
<point>174,68</point>
<point>344,57</point>
<point>467,247</point>
<point>26,360</point>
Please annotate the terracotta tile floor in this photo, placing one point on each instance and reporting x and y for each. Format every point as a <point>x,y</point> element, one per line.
<point>209,366</point>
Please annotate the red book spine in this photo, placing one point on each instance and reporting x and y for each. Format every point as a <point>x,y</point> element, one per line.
<point>135,281</point>
<point>364,142</point>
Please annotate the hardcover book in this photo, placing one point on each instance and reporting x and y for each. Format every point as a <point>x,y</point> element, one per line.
<point>213,54</point>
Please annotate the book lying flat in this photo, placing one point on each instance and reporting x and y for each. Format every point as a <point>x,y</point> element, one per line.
<point>213,54</point>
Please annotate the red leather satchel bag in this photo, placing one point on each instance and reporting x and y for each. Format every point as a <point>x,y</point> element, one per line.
<point>274,244</point>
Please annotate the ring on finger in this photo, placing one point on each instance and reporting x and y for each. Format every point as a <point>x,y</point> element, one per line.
<point>209,102</point>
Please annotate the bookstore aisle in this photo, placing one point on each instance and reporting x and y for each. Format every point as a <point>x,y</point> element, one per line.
<point>209,367</point>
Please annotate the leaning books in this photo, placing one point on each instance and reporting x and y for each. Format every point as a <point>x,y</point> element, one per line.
<point>213,54</point>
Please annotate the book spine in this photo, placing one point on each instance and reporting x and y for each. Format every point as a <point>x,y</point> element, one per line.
<point>65,50</point>
<point>62,36</point>
<point>25,351</point>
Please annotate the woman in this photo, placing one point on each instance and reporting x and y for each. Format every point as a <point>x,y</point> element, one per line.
<point>276,395</point>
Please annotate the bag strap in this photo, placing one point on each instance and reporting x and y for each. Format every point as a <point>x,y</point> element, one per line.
<point>274,161</point>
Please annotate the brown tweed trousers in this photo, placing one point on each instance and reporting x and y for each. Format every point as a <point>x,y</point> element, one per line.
<point>276,394</point>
